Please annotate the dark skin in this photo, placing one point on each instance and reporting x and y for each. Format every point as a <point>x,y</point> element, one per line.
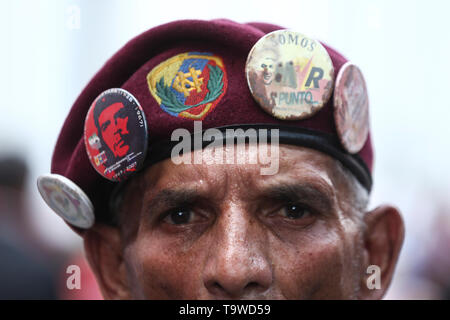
<point>219,231</point>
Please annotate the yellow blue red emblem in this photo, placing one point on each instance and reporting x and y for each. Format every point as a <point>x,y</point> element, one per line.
<point>189,85</point>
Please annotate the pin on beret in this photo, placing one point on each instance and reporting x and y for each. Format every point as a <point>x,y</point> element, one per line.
<point>222,73</point>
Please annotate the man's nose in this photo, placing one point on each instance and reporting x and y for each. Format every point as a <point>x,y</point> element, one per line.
<point>118,128</point>
<point>237,265</point>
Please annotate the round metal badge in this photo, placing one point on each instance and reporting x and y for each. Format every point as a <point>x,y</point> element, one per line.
<point>115,134</point>
<point>351,108</point>
<point>67,200</point>
<point>289,75</point>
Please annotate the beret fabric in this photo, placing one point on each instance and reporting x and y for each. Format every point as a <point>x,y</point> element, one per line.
<point>231,41</point>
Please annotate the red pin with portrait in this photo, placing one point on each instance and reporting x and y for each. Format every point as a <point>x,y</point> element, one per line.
<point>115,134</point>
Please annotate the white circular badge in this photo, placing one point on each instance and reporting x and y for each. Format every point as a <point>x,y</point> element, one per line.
<point>67,200</point>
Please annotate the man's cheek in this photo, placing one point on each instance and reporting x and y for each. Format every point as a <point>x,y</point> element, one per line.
<point>108,137</point>
<point>162,272</point>
<point>310,271</point>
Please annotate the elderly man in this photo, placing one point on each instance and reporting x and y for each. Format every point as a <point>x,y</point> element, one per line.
<point>191,213</point>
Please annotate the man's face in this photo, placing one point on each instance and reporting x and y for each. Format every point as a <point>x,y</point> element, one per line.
<point>267,66</point>
<point>113,127</point>
<point>226,231</point>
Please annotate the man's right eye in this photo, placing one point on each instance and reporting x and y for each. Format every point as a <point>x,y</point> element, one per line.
<point>179,216</point>
<point>105,125</point>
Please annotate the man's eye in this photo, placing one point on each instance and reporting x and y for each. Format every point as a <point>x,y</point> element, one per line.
<point>122,114</point>
<point>179,216</point>
<point>105,125</point>
<point>295,211</point>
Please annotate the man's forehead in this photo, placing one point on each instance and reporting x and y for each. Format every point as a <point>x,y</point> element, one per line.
<point>296,164</point>
<point>111,110</point>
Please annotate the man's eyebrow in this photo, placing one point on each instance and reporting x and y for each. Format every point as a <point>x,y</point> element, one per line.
<point>170,198</point>
<point>121,113</point>
<point>320,197</point>
<point>106,123</point>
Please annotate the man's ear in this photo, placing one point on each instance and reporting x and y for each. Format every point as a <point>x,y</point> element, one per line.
<point>104,253</point>
<point>383,239</point>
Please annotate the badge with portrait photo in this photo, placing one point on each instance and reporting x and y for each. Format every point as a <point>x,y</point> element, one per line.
<point>351,108</point>
<point>290,75</point>
<point>115,134</point>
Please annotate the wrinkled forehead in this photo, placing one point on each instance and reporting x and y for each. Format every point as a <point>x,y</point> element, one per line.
<point>295,165</point>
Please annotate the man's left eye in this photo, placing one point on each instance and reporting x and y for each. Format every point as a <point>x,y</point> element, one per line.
<point>179,216</point>
<point>121,114</point>
<point>295,211</point>
<point>105,125</point>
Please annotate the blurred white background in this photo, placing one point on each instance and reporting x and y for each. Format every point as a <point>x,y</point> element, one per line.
<point>51,48</point>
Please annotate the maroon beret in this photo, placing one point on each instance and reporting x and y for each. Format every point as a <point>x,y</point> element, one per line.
<point>230,43</point>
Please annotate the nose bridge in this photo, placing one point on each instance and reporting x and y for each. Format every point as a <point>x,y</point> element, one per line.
<point>237,260</point>
<point>117,125</point>
<point>241,236</point>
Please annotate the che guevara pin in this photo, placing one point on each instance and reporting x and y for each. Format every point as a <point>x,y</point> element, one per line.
<point>115,134</point>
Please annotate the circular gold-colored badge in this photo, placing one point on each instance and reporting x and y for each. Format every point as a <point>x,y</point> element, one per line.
<point>289,75</point>
<point>351,108</point>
